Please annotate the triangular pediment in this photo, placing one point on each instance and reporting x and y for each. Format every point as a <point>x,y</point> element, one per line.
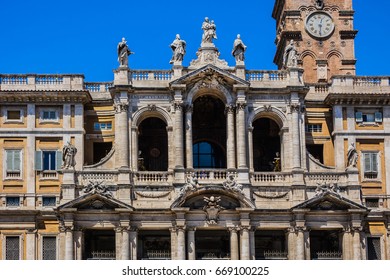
<point>210,74</point>
<point>95,201</point>
<point>329,201</point>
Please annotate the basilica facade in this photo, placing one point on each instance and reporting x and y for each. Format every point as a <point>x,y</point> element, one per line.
<point>204,161</point>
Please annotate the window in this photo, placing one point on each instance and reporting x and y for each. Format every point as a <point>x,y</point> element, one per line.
<point>207,155</point>
<point>372,202</point>
<point>48,201</point>
<point>314,127</point>
<point>49,248</point>
<point>48,160</point>
<point>368,117</point>
<point>12,248</point>
<point>48,115</point>
<point>12,201</point>
<point>13,163</point>
<point>370,165</point>
<point>374,248</point>
<point>97,126</point>
<point>13,115</point>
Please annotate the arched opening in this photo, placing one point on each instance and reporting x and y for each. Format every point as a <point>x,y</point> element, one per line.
<point>153,145</point>
<point>209,132</point>
<point>266,145</point>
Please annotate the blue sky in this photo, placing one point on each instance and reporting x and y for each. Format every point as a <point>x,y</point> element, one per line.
<point>54,37</point>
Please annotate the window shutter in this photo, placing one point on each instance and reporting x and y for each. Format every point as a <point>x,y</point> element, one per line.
<point>378,117</point>
<point>9,160</point>
<point>58,160</point>
<point>374,166</point>
<point>17,155</point>
<point>367,162</point>
<point>359,117</point>
<point>38,160</point>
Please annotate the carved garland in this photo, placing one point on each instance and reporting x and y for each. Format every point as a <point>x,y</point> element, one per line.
<point>271,196</point>
<point>151,195</point>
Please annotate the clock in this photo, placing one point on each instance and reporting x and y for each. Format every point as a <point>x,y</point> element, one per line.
<point>319,24</point>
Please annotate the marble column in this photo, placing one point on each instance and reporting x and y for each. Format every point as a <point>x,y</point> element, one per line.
<point>244,243</point>
<point>296,150</point>
<point>347,241</point>
<point>134,148</point>
<point>179,151</point>
<point>173,243</point>
<point>357,254</point>
<point>30,172</point>
<point>31,246</point>
<point>338,140</point>
<point>230,143</point>
<point>300,244</point>
<point>250,149</point>
<point>125,244</point>
<point>121,135</point>
<point>233,244</point>
<point>241,143</point>
<point>191,244</point>
<point>133,236</point>
<point>69,244</point>
<point>78,240</point>
<point>118,243</point>
<point>181,245</point>
<point>188,127</point>
<point>252,245</point>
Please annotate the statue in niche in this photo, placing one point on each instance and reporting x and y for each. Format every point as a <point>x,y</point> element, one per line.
<point>212,209</point>
<point>276,163</point>
<point>352,155</point>
<point>290,56</point>
<point>239,49</point>
<point>178,47</point>
<point>319,4</point>
<point>123,53</point>
<point>209,31</point>
<point>68,156</point>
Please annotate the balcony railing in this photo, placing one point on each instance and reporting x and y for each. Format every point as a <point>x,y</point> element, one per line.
<point>210,175</point>
<point>103,255</point>
<point>158,254</point>
<point>150,177</point>
<point>41,82</point>
<point>275,255</point>
<point>331,255</point>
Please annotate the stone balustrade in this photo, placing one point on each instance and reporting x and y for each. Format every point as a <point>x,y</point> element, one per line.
<point>210,176</point>
<point>41,82</point>
<point>275,255</point>
<point>98,87</point>
<point>86,176</point>
<point>152,177</point>
<point>270,178</point>
<point>313,178</point>
<point>331,255</point>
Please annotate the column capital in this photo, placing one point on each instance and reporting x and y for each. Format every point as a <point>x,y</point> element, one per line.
<point>233,229</point>
<point>178,105</point>
<point>65,229</point>
<point>294,107</point>
<point>229,109</point>
<point>31,231</point>
<point>121,107</point>
<point>241,106</point>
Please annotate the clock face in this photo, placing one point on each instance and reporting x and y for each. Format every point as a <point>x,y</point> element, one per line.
<point>319,24</point>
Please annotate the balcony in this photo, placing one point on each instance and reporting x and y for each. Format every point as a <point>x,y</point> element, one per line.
<point>270,178</point>
<point>158,255</point>
<point>153,178</point>
<point>331,255</point>
<point>210,176</point>
<point>275,255</point>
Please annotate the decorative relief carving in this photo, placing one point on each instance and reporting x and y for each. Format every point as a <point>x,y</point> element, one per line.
<point>270,194</point>
<point>268,108</point>
<point>190,186</point>
<point>294,107</point>
<point>323,188</point>
<point>121,107</point>
<point>230,109</point>
<point>241,106</point>
<point>152,107</point>
<point>149,193</point>
<point>178,105</point>
<point>212,209</point>
<point>231,184</point>
<point>97,187</point>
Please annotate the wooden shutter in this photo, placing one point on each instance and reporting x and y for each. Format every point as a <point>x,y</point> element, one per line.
<point>378,117</point>
<point>359,117</point>
<point>58,160</point>
<point>38,161</point>
<point>17,156</point>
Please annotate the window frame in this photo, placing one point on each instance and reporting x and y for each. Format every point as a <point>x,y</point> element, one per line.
<point>49,174</point>
<point>375,114</point>
<point>381,243</point>
<point>313,125</point>
<point>364,173</point>
<point>99,126</point>
<point>41,237</point>
<point>6,170</point>
<point>16,121</point>
<point>13,206</point>
<point>55,120</point>
<point>4,249</point>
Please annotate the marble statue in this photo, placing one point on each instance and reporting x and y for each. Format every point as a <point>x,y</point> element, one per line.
<point>178,47</point>
<point>209,31</point>
<point>123,53</point>
<point>68,156</point>
<point>238,49</point>
<point>352,155</point>
<point>290,56</point>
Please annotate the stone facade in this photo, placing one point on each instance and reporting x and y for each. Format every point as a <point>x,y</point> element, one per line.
<point>208,161</point>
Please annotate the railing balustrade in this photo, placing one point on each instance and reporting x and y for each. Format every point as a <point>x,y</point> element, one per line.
<point>103,255</point>
<point>331,255</point>
<point>158,254</point>
<point>275,255</point>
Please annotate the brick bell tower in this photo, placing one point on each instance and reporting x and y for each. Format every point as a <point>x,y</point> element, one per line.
<point>323,33</point>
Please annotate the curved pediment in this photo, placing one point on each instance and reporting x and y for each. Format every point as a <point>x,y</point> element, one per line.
<point>229,199</point>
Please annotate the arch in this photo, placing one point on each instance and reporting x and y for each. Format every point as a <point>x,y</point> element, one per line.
<point>310,65</point>
<point>215,89</point>
<point>270,112</point>
<point>151,111</point>
<point>334,53</point>
<point>308,53</point>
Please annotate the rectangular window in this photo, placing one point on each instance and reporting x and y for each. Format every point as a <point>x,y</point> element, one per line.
<point>368,117</point>
<point>12,248</point>
<point>12,201</point>
<point>48,201</point>
<point>370,165</point>
<point>98,126</point>
<point>374,248</point>
<point>372,202</point>
<point>49,248</point>
<point>49,160</point>
<point>314,127</point>
<point>14,115</point>
<point>13,163</point>
<point>49,115</point>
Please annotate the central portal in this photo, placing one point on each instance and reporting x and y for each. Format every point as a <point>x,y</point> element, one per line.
<point>99,245</point>
<point>212,244</point>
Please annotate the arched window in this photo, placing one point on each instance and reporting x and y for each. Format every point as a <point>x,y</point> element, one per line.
<point>208,155</point>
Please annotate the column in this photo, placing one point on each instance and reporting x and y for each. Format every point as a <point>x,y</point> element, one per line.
<point>125,244</point>
<point>241,143</point>
<point>252,243</point>
<point>356,244</point>
<point>79,138</point>
<point>181,245</point>
<point>78,239</point>
<point>338,140</point>
<point>191,244</point>
<point>179,153</point>
<point>296,151</point>
<point>230,143</point>
<point>133,236</point>
<point>30,172</point>
<point>69,243</point>
<point>134,148</point>
<point>66,116</point>
<point>233,244</point>
<point>244,243</point>
<point>188,126</point>
<point>250,148</point>
<point>121,135</point>
<point>347,250</point>
<point>300,244</point>
<point>31,246</point>
<point>173,243</point>
<point>118,243</point>
<point>291,244</point>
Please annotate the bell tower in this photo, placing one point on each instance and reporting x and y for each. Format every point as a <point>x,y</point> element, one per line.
<point>323,33</point>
